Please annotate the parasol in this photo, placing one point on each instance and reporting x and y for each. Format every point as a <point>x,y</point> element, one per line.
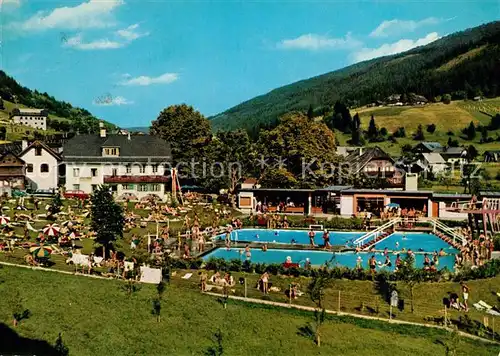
<point>51,230</point>
<point>40,251</point>
<point>4,220</point>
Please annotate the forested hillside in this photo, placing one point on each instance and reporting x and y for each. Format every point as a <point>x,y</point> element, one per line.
<point>59,111</point>
<point>464,65</point>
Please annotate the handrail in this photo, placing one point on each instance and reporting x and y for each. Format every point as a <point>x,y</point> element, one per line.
<point>378,230</point>
<point>445,228</point>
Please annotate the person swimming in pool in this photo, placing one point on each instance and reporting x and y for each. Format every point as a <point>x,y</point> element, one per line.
<point>404,236</point>
<point>397,245</point>
<point>264,248</point>
<point>399,262</point>
<point>386,251</point>
<point>293,242</point>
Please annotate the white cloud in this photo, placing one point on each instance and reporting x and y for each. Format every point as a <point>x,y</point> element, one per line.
<point>10,2</point>
<point>393,48</point>
<point>103,43</point>
<point>108,100</point>
<point>130,33</point>
<point>90,14</point>
<point>314,42</point>
<point>398,27</point>
<point>143,80</point>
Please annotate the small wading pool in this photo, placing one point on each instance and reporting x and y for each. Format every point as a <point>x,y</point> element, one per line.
<point>286,236</point>
<point>345,259</point>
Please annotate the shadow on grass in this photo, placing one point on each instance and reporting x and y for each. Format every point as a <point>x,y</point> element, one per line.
<point>306,331</point>
<point>13,344</point>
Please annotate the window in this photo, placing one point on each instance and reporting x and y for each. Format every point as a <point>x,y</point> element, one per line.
<point>142,169</point>
<point>154,168</point>
<point>38,151</point>
<point>155,188</point>
<point>129,168</point>
<point>44,168</point>
<point>142,187</point>
<point>93,172</point>
<point>76,172</point>
<point>128,187</point>
<point>76,186</point>
<point>114,172</point>
<point>110,151</point>
<point>30,168</point>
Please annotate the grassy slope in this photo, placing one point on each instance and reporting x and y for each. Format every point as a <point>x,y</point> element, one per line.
<point>97,317</point>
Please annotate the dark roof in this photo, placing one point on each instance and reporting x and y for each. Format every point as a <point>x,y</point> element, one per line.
<point>387,191</point>
<point>431,146</point>
<point>358,162</point>
<point>44,146</point>
<point>88,148</point>
<point>12,147</point>
<point>454,150</point>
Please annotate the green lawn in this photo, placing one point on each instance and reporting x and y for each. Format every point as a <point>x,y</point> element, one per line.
<point>98,317</point>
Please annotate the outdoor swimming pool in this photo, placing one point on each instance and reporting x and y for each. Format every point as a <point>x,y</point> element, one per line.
<point>345,259</point>
<point>415,241</point>
<point>286,236</point>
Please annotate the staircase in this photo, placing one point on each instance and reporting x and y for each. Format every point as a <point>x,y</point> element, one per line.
<point>446,233</point>
<point>376,235</point>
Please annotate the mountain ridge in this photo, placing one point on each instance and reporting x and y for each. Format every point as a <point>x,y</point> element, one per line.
<point>372,80</point>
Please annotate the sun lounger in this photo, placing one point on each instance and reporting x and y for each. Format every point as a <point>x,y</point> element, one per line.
<point>478,307</point>
<point>485,305</point>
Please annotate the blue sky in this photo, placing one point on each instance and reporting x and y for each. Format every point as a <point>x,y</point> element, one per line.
<point>125,60</point>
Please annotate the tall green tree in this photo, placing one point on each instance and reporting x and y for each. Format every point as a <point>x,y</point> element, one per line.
<point>310,112</point>
<point>106,218</point>
<point>372,129</point>
<point>419,134</point>
<point>301,147</point>
<point>356,133</point>
<point>186,129</point>
<point>470,131</point>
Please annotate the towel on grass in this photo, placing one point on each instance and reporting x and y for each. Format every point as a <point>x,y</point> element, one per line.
<point>187,276</point>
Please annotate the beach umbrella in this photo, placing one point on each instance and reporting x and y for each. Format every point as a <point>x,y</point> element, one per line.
<point>40,251</point>
<point>4,220</point>
<point>51,230</point>
<point>392,205</point>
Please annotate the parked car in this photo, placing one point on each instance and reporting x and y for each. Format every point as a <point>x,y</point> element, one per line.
<point>17,193</point>
<point>44,193</point>
<point>76,194</point>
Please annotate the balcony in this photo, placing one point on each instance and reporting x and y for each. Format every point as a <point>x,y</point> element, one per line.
<point>136,179</point>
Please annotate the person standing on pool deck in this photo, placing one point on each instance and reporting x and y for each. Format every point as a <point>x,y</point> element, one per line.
<point>372,262</point>
<point>326,239</point>
<point>311,237</point>
<point>399,262</point>
<point>248,254</point>
<point>465,294</point>
<point>359,262</point>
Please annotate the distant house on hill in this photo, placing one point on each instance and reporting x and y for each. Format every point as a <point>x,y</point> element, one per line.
<point>428,147</point>
<point>347,150</point>
<point>35,118</point>
<point>455,154</point>
<point>432,162</point>
<point>492,156</point>
<point>374,162</point>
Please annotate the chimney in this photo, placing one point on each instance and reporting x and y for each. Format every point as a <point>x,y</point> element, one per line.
<point>102,129</point>
<point>24,144</point>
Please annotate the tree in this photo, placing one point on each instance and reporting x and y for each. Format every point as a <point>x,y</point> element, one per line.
<point>495,122</point>
<point>278,178</point>
<point>316,291</point>
<point>310,112</point>
<point>408,274</point>
<point>356,134</point>
<point>184,128</point>
<point>470,131</point>
<point>431,128</point>
<point>472,153</point>
<point>452,143</point>
<point>3,132</point>
<point>233,152</point>
<point>419,134</point>
<point>446,98</point>
<point>484,134</point>
<point>372,129</point>
<point>383,131</point>
<point>2,107</point>
<point>56,205</point>
<point>106,218</point>
<point>60,348</point>
<point>400,132</point>
<point>298,150</point>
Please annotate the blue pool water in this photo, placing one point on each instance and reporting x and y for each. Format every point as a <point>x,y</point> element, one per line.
<point>345,259</point>
<point>415,241</point>
<point>286,236</point>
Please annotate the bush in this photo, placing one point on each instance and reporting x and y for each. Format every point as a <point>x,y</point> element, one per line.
<point>431,128</point>
<point>446,99</point>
